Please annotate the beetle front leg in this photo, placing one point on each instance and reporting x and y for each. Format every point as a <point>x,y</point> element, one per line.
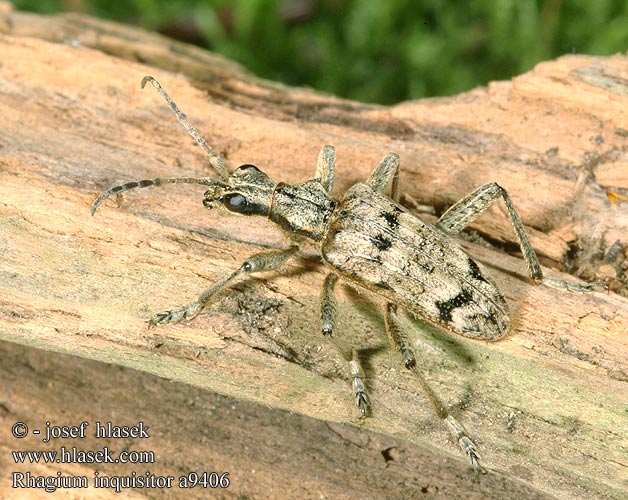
<point>326,168</point>
<point>329,312</point>
<point>465,211</point>
<point>387,172</point>
<point>264,261</point>
<point>402,345</point>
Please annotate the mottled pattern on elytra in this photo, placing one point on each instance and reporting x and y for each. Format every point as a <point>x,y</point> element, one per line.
<point>374,243</point>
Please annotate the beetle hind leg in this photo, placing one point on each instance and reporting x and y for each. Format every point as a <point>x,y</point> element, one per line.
<point>263,261</point>
<point>465,211</point>
<point>401,344</point>
<point>329,312</point>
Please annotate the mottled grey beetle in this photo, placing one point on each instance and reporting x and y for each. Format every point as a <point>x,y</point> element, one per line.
<point>371,241</point>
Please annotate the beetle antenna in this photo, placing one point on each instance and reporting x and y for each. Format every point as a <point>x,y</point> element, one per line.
<point>150,182</point>
<point>215,160</point>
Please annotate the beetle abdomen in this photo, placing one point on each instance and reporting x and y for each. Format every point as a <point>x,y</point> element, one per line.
<point>376,244</point>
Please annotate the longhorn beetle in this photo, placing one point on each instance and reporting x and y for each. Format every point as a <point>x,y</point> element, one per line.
<point>369,240</point>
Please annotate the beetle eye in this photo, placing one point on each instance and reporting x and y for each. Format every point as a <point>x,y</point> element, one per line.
<point>248,168</point>
<point>235,202</point>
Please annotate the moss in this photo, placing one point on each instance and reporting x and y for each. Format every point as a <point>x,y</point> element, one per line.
<point>378,51</point>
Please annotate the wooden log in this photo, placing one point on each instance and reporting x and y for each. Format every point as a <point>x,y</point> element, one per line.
<point>546,405</point>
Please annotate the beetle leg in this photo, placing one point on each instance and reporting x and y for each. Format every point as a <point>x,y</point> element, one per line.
<point>329,312</point>
<point>465,211</point>
<point>402,345</point>
<point>385,173</point>
<point>263,261</point>
<point>326,168</point>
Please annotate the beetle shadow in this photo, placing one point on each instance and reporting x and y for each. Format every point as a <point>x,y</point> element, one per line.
<point>518,275</point>
<point>441,340</point>
<point>430,337</point>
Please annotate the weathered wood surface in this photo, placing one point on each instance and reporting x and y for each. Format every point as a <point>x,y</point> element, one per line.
<point>547,404</point>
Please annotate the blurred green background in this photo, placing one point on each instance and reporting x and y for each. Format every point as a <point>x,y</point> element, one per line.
<point>381,51</point>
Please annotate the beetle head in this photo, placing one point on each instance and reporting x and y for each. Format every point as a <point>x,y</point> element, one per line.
<point>247,191</point>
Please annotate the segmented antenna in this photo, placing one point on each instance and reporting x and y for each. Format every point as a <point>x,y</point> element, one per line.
<point>150,182</point>
<point>214,159</point>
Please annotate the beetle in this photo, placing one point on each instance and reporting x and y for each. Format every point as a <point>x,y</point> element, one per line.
<point>370,241</point>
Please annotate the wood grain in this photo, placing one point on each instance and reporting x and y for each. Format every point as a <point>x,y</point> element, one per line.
<point>547,405</point>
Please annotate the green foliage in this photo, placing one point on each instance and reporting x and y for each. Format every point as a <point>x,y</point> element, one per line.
<point>380,51</point>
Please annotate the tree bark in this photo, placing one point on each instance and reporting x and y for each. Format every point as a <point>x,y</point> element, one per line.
<point>546,404</point>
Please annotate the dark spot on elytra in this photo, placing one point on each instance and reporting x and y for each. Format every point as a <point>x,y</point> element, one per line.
<point>380,242</point>
<point>384,285</point>
<point>446,307</point>
<point>391,218</point>
<point>474,271</point>
<point>374,258</point>
<point>485,318</point>
<point>428,268</point>
<point>491,317</point>
<point>406,269</point>
<point>419,259</point>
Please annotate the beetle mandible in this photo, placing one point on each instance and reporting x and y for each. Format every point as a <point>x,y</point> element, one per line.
<point>369,240</point>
